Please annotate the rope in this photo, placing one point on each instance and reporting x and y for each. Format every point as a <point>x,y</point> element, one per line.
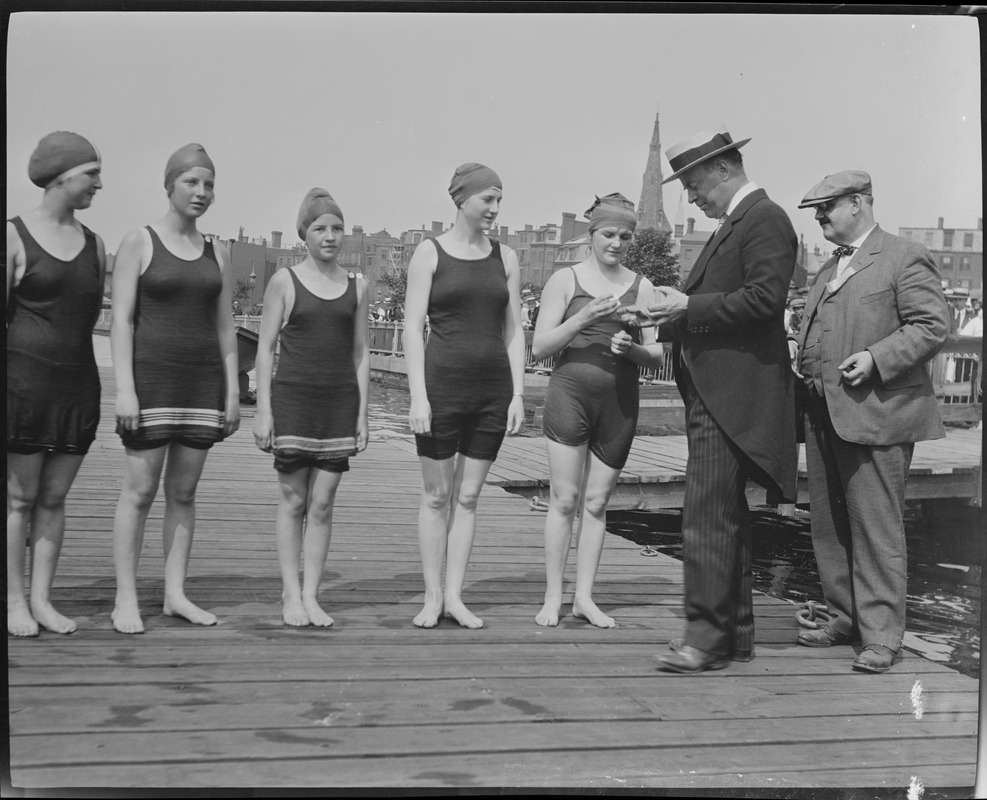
<point>810,612</point>
<point>537,504</point>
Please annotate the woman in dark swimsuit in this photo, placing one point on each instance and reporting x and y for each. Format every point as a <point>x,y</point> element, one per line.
<point>467,387</point>
<point>55,269</point>
<point>175,362</point>
<point>312,414</point>
<point>591,404</point>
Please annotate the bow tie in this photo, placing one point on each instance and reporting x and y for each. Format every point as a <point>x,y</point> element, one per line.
<point>844,250</point>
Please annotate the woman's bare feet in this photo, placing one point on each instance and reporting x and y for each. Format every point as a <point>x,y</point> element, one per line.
<point>19,619</point>
<point>429,616</point>
<point>49,619</point>
<point>126,618</point>
<point>549,615</point>
<point>185,608</point>
<point>293,612</point>
<point>316,615</point>
<point>454,609</point>
<point>587,610</point>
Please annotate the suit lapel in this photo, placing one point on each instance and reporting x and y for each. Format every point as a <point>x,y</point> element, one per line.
<point>862,259</point>
<point>816,294</point>
<point>718,238</point>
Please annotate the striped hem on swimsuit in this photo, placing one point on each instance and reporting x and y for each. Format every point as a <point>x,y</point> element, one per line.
<point>188,422</point>
<point>315,448</point>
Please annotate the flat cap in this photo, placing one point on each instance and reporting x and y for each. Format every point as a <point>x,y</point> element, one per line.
<point>839,184</point>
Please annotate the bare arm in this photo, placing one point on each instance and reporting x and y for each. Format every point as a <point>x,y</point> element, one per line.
<point>552,331</point>
<point>126,276</point>
<point>226,330</point>
<point>15,262</point>
<point>101,256</point>
<point>649,353</point>
<point>361,359</point>
<point>270,326</point>
<point>514,339</point>
<point>420,272</point>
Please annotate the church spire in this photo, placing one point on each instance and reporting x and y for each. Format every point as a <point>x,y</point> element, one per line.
<point>651,209</point>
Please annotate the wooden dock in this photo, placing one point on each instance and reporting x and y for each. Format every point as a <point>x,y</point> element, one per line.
<point>375,702</point>
<point>654,476</point>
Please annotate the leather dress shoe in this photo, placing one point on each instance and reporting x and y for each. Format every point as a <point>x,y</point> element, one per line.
<point>689,660</point>
<point>738,655</point>
<point>822,637</point>
<point>876,658</point>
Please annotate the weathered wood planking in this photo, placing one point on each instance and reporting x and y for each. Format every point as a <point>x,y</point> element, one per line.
<point>654,476</point>
<point>374,702</point>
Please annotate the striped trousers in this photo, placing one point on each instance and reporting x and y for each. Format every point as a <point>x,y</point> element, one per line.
<point>716,536</point>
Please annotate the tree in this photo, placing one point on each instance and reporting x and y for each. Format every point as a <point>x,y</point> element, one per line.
<point>650,254</point>
<point>242,293</point>
<point>396,279</point>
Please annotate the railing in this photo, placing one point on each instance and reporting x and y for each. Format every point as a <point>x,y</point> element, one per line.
<point>957,374</point>
<point>248,321</point>
<point>387,338</point>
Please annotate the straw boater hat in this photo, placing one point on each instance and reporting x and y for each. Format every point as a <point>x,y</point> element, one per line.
<point>698,148</point>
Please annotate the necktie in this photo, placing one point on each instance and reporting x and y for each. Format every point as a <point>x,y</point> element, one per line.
<point>844,250</point>
<point>719,224</point>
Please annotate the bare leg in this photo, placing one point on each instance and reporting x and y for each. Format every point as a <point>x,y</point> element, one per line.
<point>291,521</point>
<point>47,533</point>
<point>433,526</point>
<point>23,479</point>
<point>600,482</point>
<point>469,477</point>
<point>566,466</point>
<point>142,472</point>
<point>181,479</point>
<point>322,487</point>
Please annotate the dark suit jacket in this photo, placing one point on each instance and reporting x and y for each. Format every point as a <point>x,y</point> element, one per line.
<point>733,338</point>
<point>957,321</point>
<point>893,306</point>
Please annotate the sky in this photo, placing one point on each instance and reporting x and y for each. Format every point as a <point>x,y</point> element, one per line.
<point>379,108</point>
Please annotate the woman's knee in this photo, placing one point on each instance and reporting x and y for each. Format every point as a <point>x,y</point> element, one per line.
<point>469,496</point>
<point>437,496</point>
<point>564,500</point>
<point>319,510</point>
<point>138,493</point>
<point>180,495</point>
<point>596,503</point>
<point>50,498</point>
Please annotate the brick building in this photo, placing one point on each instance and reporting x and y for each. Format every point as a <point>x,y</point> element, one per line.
<point>959,252</point>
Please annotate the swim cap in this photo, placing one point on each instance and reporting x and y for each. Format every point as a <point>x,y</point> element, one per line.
<point>613,209</point>
<point>184,159</point>
<point>60,155</point>
<point>471,178</point>
<point>316,203</point>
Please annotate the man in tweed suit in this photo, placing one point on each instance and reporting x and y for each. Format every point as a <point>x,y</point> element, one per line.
<point>733,368</point>
<point>874,317</point>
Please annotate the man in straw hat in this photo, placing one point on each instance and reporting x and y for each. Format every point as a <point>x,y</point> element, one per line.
<point>960,313</point>
<point>732,367</point>
<point>874,317</point>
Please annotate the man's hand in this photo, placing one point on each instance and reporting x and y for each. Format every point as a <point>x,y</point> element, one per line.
<point>858,368</point>
<point>669,305</point>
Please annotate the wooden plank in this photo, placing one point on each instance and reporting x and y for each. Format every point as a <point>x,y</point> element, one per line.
<point>375,702</point>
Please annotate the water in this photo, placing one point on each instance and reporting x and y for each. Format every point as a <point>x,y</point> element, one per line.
<point>945,552</point>
<point>388,409</point>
